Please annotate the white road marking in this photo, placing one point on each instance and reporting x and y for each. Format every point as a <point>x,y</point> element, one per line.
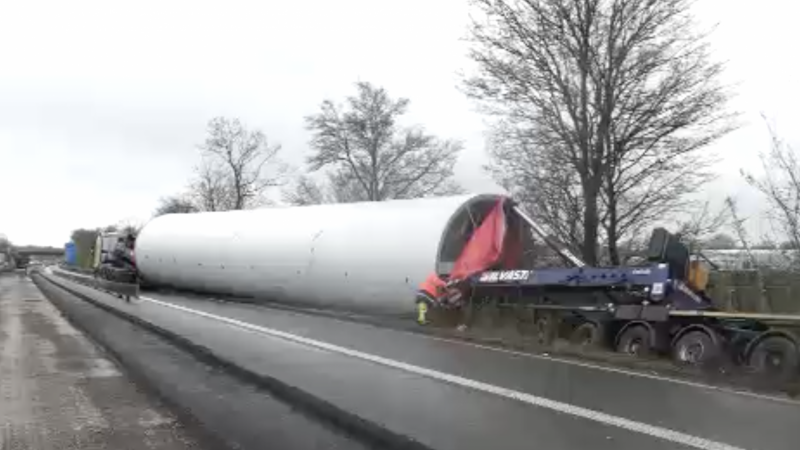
<point>573,362</point>
<point>586,365</point>
<point>550,358</point>
<point>561,407</point>
<point>616,370</point>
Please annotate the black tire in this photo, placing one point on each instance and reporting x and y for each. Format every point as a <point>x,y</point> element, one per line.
<point>775,357</point>
<point>635,340</point>
<point>586,335</point>
<point>695,348</point>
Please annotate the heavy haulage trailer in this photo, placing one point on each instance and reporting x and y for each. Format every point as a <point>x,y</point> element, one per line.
<point>371,257</point>
<point>656,307</point>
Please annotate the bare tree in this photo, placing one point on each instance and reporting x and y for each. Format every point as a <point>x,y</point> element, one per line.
<point>739,228</point>
<point>336,187</point>
<point>741,233</point>
<point>127,226</point>
<point>175,204</point>
<point>239,166</point>
<point>542,182</point>
<point>720,241</point>
<point>362,141</point>
<point>305,191</point>
<point>703,224</point>
<point>211,189</point>
<point>629,206</point>
<point>623,91</point>
<point>781,186</point>
<point>344,188</point>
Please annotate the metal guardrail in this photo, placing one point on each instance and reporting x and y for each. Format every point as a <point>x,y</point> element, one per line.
<point>121,289</point>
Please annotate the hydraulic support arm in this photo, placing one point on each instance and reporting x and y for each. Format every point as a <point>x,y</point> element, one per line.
<point>558,247</point>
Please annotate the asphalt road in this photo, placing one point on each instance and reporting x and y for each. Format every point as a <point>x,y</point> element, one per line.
<point>452,395</point>
<point>228,413</point>
<point>712,413</point>
<point>58,391</point>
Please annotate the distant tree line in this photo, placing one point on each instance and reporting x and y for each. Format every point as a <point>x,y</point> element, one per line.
<point>359,152</point>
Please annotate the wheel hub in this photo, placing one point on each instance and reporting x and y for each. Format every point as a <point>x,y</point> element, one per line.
<point>692,353</point>
<point>774,361</point>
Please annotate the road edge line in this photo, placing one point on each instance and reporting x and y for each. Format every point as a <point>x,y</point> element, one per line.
<point>350,423</point>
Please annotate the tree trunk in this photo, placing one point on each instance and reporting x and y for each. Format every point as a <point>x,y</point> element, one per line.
<point>590,225</point>
<point>613,249</point>
<point>612,230</point>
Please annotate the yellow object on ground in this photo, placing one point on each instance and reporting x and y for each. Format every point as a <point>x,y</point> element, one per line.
<point>422,312</point>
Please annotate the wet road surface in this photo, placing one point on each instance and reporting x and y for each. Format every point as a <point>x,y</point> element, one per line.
<point>715,414</point>
<point>57,391</point>
<point>227,412</point>
<point>594,408</point>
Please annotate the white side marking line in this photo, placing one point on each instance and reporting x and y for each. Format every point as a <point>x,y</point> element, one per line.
<point>632,373</point>
<point>572,362</point>
<point>565,408</point>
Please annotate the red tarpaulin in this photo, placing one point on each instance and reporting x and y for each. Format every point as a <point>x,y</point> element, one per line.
<point>490,244</point>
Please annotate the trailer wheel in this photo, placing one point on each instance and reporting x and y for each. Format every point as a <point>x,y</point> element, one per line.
<point>775,357</point>
<point>695,348</point>
<point>635,340</point>
<point>586,335</point>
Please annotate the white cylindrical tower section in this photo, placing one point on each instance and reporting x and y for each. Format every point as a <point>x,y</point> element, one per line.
<point>368,256</point>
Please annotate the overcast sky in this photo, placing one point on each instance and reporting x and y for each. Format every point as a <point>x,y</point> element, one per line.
<point>102,103</point>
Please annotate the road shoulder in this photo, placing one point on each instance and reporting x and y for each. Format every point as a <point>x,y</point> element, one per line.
<point>58,390</point>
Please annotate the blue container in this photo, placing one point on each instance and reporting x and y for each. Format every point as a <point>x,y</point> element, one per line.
<point>70,254</point>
